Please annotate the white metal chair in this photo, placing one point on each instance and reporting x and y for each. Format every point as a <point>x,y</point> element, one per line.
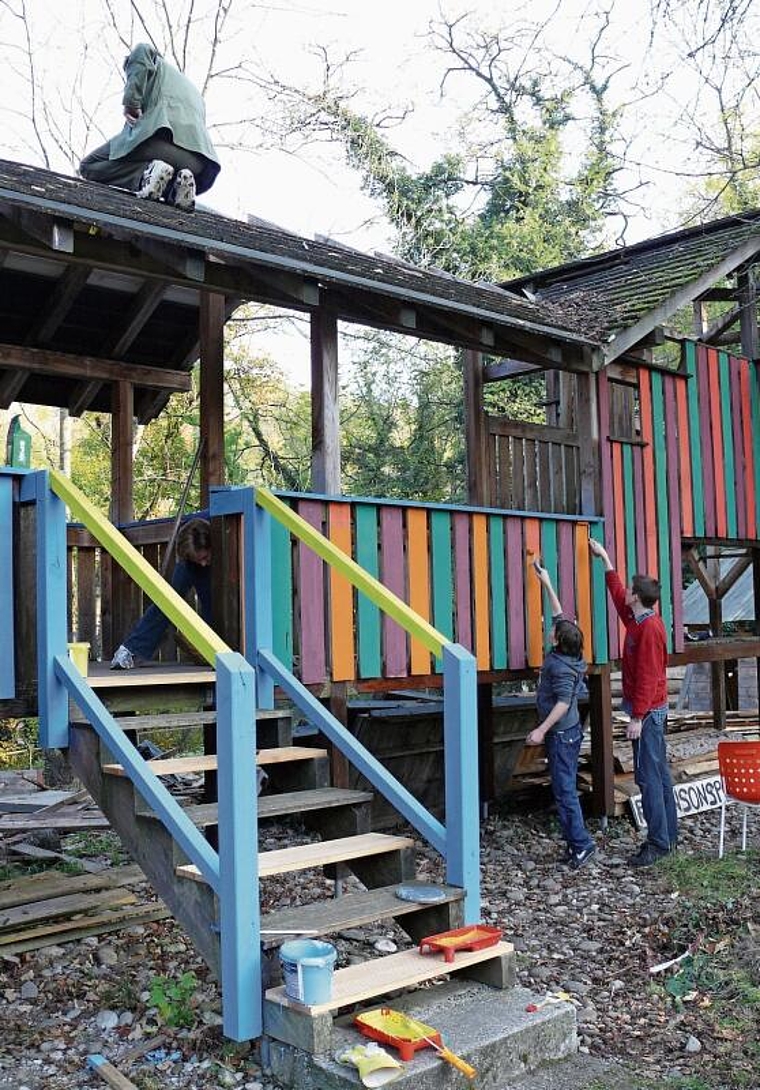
<point>739,764</point>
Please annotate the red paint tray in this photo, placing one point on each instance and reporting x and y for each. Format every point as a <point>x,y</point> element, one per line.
<point>477,937</point>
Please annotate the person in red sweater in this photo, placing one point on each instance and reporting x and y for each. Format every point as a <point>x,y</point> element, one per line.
<point>645,699</point>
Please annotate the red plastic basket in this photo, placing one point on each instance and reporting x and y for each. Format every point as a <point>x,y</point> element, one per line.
<point>739,764</point>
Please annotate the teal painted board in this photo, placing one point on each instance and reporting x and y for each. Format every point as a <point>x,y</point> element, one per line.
<point>550,560</point>
<point>629,504</point>
<point>663,524</point>
<point>729,467</point>
<point>368,615</point>
<point>695,447</point>
<point>598,599</point>
<point>282,594</point>
<point>442,576</point>
<point>498,593</point>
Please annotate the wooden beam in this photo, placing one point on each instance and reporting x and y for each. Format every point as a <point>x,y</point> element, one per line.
<point>695,563</point>
<point>602,755</point>
<point>83,396</point>
<point>55,234</point>
<point>122,442</point>
<point>748,313</point>
<point>211,329</point>
<point>507,368</point>
<point>10,386</point>
<point>189,263</point>
<point>325,410</point>
<point>587,431</point>
<point>737,570</point>
<point>679,298</point>
<point>139,311</point>
<point>720,325</point>
<point>67,288</point>
<point>150,404</point>
<point>718,295</point>
<point>476,431</point>
<point>61,364</point>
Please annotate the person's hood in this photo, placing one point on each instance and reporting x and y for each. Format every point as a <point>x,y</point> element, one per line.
<point>578,666</point>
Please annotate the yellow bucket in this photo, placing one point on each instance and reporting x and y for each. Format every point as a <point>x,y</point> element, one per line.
<point>79,653</point>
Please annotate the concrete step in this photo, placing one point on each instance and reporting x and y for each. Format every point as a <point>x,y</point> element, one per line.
<point>488,1028</point>
<point>351,910</point>
<point>180,766</point>
<point>319,854</point>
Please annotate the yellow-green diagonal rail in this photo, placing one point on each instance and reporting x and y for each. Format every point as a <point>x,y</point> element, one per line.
<point>432,639</point>
<point>200,635</point>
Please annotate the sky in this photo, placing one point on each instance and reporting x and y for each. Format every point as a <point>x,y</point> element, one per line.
<point>309,189</point>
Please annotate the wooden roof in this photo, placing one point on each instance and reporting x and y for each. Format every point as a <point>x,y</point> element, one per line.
<point>618,297</point>
<point>97,286</point>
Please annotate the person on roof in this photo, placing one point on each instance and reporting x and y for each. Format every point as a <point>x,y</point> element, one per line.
<point>164,151</point>
<point>561,684</point>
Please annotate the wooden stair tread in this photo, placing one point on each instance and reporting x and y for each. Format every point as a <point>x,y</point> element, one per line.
<point>350,910</point>
<point>289,802</point>
<point>318,854</point>
<point>358,983</point>
<point>175,720</point>
<point>160,674</point>
<point>178,766</point>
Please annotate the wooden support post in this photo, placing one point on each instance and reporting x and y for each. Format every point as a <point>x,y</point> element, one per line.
<point>337,705</point>
<point>602,760</point>
<point>717,669</point>
<point>325,408</point>
<point>212,392</point>
<point>476,431</point>
<point>747,294</point>
<point>124,597</point>
<point>587,428</point>
<point>756,596</point>
<point>486,767</point>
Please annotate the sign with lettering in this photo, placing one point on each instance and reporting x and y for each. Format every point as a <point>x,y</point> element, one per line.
<point>691,798</point>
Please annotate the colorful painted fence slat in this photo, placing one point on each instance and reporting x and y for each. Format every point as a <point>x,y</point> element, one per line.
<point>466,570</point>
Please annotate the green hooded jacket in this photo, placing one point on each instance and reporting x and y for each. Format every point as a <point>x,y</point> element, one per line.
<point>168,100</point>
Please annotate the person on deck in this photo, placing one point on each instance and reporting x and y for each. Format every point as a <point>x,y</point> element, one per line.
<point>164,151</point>
<point>645,699</point>
<point>560,685</point>
<point>190,571</point>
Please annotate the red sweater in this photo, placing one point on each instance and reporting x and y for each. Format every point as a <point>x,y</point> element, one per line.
<point>645,654</point>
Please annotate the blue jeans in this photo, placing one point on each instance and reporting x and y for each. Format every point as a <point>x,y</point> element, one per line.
<point>562,750</point>
<point>148,632</point>
<point>652,775</point>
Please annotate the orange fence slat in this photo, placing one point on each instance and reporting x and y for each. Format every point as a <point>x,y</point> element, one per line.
<point>533,602</point>
<point>342,636</point>
<point>480,587</point>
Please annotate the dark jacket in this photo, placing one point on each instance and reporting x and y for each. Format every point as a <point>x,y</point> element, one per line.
<point>561,678</point>
<point>168,101</point>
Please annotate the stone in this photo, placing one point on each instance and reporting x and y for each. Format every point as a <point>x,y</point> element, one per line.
<point>29,990</point>
<point>107,1020</point>
<point>693,1044</point>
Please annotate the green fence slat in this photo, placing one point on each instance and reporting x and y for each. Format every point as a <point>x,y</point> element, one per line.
<point>498,593</point>
<point>599,599</point>
<point>728,442</point>
<point>442,575</point>
<point>282,594</point>
<point>368,614</point>
<point>661,490</point>
<point>695,447</point>
<point>550,560</point>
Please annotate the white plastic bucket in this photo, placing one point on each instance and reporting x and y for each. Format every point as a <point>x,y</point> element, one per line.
<point>307,969</point>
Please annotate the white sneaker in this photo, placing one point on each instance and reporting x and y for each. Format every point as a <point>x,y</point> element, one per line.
<point>155,180</point>
<point>123,659</point>
<point>182,191</point>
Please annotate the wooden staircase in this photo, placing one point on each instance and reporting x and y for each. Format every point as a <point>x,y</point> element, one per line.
<point>298,784</point>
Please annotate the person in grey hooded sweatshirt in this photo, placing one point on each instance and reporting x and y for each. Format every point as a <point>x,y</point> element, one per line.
<point>561,684</point>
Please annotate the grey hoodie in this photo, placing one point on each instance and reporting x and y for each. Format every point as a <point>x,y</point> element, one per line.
<point>561,678</point>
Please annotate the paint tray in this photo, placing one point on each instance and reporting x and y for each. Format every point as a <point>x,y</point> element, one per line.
<point>391,1028</point>
<point>476,937</point>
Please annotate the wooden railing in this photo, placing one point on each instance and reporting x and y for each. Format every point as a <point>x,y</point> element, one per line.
<point>534,467</point>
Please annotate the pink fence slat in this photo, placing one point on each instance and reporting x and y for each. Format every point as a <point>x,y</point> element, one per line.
<point>462,580</point>
<point>393,576</point>
<point>674,501</point>
<point>311,593</point>
<point>708,462</point>
<point>566,559</point>
<point>515,593</point>
<point>734,372</point>
<point>608,501</point>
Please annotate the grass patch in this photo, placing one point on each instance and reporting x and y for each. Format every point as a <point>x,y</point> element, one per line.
<point>87,844</point>
<point>709,881</point>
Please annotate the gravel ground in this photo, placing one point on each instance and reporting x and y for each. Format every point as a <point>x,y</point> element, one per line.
<point>592,933</point>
